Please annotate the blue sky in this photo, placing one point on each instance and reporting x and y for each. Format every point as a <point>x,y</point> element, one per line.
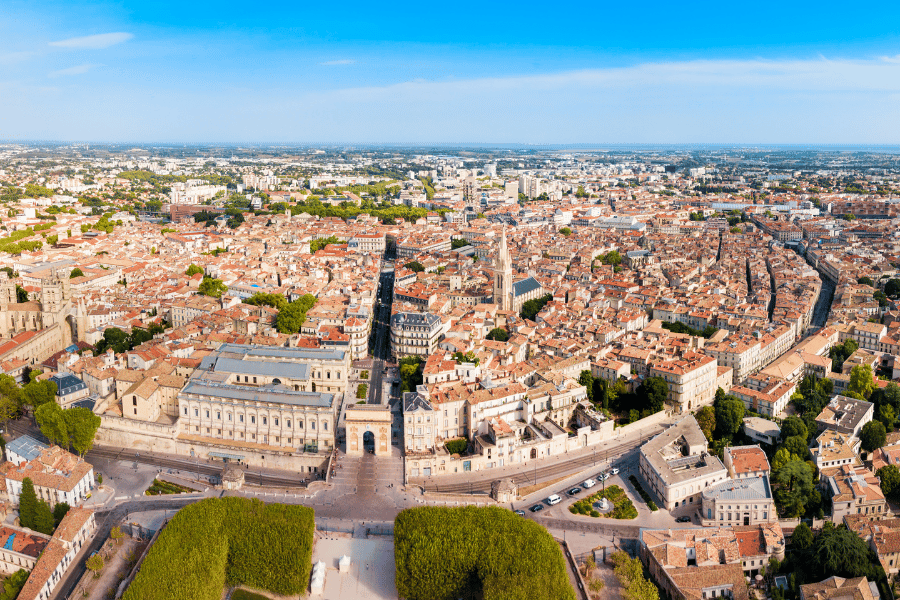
<point>764,72</point>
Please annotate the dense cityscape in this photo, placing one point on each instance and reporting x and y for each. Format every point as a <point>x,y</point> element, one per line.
<point>623,372</point>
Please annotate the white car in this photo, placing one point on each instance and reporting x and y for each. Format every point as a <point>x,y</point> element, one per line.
<point>613,471</point>
<point>603,476</point>
<point>588,484</point>
<point>554,499</point>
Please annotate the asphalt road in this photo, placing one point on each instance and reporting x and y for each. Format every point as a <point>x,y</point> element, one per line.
<point>540,473</point>
<point>381,334</point>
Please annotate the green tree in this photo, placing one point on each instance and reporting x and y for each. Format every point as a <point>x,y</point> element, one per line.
<point>587,380</point>
<point>60,511</point>
<point>498,334</point>
<point>793,485</point>
<point>27,504</point>
<point>291,318</point>
<point>38,393</point>
<point>887,416</point>
<point>95,564</point>
<point>892,287</point>
<point>729,415</point>
<point>10,398</point>
<point>43,518</point>
<point>706,419</point>
<point>566,231</point>
<point>794,426</point>
<point>873,436</point>
<point>214,288</point>
<point>531,308</point>
<point>652,393</point>
<point>414,266</point>
<point>82,425</point>
<point>52,422</point>
<point>76,272</point>
<point>797,446</point>
<point>839,551</point>
<point>802,539</point>
<point>316,245</point>
<point>612,258</point>
<point>866,281</point>
<point>21,294</point>
<point>780,459</point>
<point>193,270</point>
<point>890,480</point>
<point>861,381</point>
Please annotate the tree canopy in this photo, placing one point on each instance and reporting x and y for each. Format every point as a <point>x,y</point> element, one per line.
<point>873,436</point>
<point>447,553</point>
<point>414,266</point>
<point>532,307</point>
<point>498,334</point>
<point>193,270</point>
<point>730,412</point>
<point>214,288</point>
<point>292,317</point>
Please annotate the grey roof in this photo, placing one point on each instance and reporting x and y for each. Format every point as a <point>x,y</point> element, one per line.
<point>750,488</point>
<point>67,383</point>
<point>282,352</point>
<point>224,364</point>
<point>274,394</point>
<point>413,401</point>
<point>529,284</point>
<point>26,446</point>
<point>414,319</point>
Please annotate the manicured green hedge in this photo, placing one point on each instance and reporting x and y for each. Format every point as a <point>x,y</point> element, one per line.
<point>231,541</point>
<point>643,493</point>
<point>445,553</point>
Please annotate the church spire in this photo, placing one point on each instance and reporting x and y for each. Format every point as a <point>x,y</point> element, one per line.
<point>503,275</point>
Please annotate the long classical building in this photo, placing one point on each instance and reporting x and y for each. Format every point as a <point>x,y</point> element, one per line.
<point>266,396</point>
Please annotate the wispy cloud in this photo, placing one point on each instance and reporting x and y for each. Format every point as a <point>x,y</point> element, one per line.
<point>333,63</point>
<point>15,57</point>
<point>93,42</point>
<point>77,70</point>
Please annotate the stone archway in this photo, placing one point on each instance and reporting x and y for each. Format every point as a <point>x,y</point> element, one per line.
<point>364,420</point>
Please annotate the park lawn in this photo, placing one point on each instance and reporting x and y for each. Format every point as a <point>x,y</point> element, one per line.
<point>623,507</point>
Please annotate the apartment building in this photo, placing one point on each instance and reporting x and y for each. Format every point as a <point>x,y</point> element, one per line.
<point>845,415</point>
<point>57,475</point>
<point>854,490</point>
<point>742,354</point>
<point>771,400</point>
<point>691,380</point>
<point>415,334</point>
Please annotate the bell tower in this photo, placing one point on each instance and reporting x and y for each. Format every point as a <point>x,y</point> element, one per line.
<point>503,275</point>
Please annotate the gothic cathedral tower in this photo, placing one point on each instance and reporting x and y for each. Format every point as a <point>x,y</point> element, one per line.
<point>503,276</point>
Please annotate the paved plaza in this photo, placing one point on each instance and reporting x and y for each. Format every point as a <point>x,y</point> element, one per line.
<point>371,573</point>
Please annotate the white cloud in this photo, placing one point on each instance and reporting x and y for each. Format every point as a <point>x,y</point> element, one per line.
<point>77,70</point>
<point>93,42</point>
<point>14,57</point>
<point>332,63</point>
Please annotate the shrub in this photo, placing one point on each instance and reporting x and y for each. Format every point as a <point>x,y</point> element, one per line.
<point>364,375</point>
<point>643,493</point>
<point>231,541</point>
<point>362,390</point>
<point>445,553</point>
<point>456,446</point>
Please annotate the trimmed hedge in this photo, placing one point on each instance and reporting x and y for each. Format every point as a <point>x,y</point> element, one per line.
<point>228,541</point>
<point>447,553</point>
<point>643,493</point>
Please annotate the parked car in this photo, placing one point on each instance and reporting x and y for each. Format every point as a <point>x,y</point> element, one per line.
<point>537,508</point>
<point>614,471</point>
<point>589,483</point>
<point>521,513</point>
<point>683,520</point>
<point>554,499</point>
<point>603,476</point>
<point>574,491</point>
